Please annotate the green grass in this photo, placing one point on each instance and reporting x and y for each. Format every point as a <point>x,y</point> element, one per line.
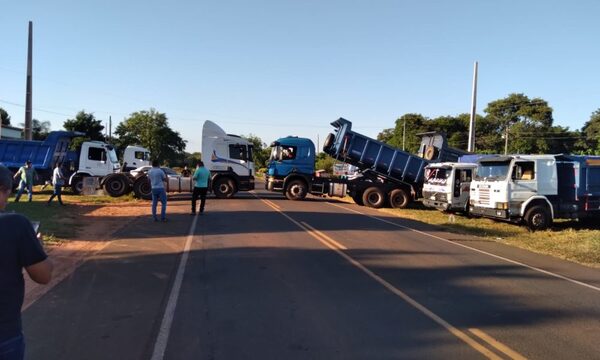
<point>58,223</point>
<point>568,240</point>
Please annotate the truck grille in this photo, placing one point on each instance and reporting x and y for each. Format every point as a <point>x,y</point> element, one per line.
<point>484,196</point>
<point>437,196</point>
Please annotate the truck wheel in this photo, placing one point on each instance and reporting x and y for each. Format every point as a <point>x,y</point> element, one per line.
<point>77,185</point>
<point>373,197</point>
<point>399,199</point>
<point>142,188</point>
<point>538,218</point>
<point>224,188</point>
<point>296,190</point>
<point>357,197</point>
<point>116,185</point>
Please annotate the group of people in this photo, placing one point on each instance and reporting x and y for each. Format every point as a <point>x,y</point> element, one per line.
<point>20,248</point>
<point>158,178</point>
<point>27,175</point>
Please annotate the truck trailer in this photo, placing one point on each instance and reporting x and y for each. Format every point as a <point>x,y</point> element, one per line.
<point>536,189</point>
<point>386,175</point>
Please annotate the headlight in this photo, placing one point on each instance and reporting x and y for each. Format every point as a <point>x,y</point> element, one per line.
<point>502,205</point>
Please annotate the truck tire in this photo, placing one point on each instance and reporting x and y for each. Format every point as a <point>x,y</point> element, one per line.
<point>224,188</point>
<point>142,188</point>
<point>399,199</point>
<point>538,218</point>
<point>77,185</point>
<point>357,197</point>
<point>373,197</point>
<point>431,153</point>
<point>296,190</point>
<point>116,185</point>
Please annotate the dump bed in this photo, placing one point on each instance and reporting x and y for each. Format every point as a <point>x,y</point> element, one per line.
<point>43,154</point>
<point>587,177</point>
<point>371,155</point>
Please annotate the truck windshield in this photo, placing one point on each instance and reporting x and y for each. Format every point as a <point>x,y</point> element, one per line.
<point>437,175</point>
<point>112,155</point>
<point>492,170</point>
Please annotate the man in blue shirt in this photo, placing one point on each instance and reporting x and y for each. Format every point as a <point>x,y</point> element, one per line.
<point>157,182</point>
<point>201,178</point>
<point>19,248</point>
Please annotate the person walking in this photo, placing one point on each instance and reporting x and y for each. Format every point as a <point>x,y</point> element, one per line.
<point>201,178</point>
<point>58,180</point>
<point>28,175</point>
<point>157,182</point>
<point>20,248</point>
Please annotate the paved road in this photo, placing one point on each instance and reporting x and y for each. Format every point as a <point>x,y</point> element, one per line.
<point>265,278</point>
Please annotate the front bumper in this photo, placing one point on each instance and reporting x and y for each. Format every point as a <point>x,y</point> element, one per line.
<point>436,204</point>
<point>488,212</point>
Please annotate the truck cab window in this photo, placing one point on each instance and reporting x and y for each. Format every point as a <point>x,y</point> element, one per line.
<point>140,155</point>
<point>524,171</point>
<point>288,152</point>
<point>96,154</point>
<point>238,152</point>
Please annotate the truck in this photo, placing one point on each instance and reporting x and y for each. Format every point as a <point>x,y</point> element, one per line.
<point>447,185</point>
<point>227,156</point>
<point>386,175</point>
<point>92,159</point>
<point>229,159</point>
<point>135,156</point>
<point>536,189</point>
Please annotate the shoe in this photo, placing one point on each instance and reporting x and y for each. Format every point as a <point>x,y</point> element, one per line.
<point>164,220</point>
<point>63,204</point>
<point>193,213</point>
<point>155,219</point>
<point>48,203</point>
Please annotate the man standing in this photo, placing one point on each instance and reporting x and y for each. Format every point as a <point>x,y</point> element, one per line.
<point>186,172</point>
<point>19,248</point>
<point>157,182</point>
<point>201,177</point>
<point>27,174</point>
<point>58,180</point>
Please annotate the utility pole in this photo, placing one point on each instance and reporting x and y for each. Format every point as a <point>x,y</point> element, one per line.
<point>28,117</point>
<point>471,146</point>
<point>506,140</point>
<point>109,129</point>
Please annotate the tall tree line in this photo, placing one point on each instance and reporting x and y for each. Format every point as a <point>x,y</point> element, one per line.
<point>515,124</point>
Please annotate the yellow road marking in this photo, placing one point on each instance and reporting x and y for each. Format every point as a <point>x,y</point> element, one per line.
<point>497,345</point>
<point>431,315</point>
<point>272,204</point>
<point>337,244</point>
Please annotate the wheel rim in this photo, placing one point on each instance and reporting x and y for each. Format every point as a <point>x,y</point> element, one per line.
<point>296,190</point>
<point>373,198</point>
<point>538,220</point>
<point>116,186</point>
<point>224,188</point>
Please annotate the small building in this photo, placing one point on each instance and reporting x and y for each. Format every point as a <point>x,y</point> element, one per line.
<point>11,132</point>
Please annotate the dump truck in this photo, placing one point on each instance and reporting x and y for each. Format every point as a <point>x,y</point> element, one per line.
<point>386,175</point>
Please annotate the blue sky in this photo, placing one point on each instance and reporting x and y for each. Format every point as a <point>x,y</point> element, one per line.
<point>275,67</point>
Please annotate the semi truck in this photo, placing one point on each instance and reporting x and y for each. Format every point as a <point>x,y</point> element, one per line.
<point>386,175</point>
<point>92,159</point>
<point>227,156</point>
<point>536,189</point>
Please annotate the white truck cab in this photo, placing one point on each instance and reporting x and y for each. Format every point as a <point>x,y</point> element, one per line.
<point>229,159</point>
<point>515,188</point>
<point>136,156</point>
<point>446,186</point>
<point>94,159</point>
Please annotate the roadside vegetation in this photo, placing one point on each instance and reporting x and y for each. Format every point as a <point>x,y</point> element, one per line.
<point>569,240</point>
<point>58,223</point>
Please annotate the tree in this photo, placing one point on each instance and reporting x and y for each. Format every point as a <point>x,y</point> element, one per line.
<point>151,130</point>
<point>87,124</point>
<point>520,118</point>
<point>324,162</point>
<point>39,129</point>
<point>591,132</point>
<point>4,117</point>
<point>260,153</point>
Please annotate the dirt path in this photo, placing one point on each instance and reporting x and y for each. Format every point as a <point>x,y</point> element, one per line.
<point>95,229</point>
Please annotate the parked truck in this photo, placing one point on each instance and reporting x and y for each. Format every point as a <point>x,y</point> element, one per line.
<point>135,156</point>
<point>92,159</point>
<point>229,159</point>
<point>386,175</point>
<point>536,189</point>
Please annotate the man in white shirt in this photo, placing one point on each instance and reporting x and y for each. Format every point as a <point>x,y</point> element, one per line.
<point>157,182</point>
<point>58,180</point>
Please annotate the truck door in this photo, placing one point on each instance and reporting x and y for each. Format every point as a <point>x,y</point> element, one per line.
<point>95,160</point>
<point>523,184</point>
<point>462,182</point>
